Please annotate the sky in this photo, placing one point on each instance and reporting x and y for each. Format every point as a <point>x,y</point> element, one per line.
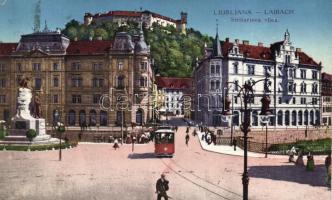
<point>309,22</point>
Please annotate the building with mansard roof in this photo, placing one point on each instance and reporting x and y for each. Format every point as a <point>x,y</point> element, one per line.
<point>293,83</point>
<point>85,80</point>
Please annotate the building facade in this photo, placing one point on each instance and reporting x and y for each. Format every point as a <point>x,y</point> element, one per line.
<point>148,18</point>
<point>91,83</point>
<point>293,83</point>
<point>326,98</point>
<point>175,91</point>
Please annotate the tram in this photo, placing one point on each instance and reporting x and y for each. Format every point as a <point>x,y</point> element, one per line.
<point>164,142</point>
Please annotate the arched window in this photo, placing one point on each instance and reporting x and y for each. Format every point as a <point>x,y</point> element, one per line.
<point>293,118</point>
<point>139,116</point>
<point>82,118</point>
<point>317,122</point>
<point>71,118</point>
<point>280,118</point>
<point>55,82</point>
<point>287,117</point>
<point>255,118</point>
<point>300,113</point>
<point>311,117</point>
<point>120,82</point>
<point>306,116</point>
<point>103,118</point>
<point>236,118</point>
<point>92,118</point>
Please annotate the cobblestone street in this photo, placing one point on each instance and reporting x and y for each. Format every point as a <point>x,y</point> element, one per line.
<point>97,171</point>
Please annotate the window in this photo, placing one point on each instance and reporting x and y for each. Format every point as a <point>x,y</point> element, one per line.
<point>143,66</point>
<point>96,98</point>
<point>75,66</point>
<point>314,101</point>
<point>2,83</point>
<point>97,82</point>
<point>294,88</point>
<point>18,67</point>
<point>314,75</point>
<point>36,67</point>
<point>55,82</point>
<point>217,85</point>
<point>290,73</point>
<point>280,100</point>
<point>76,99</point>
<point>2,98</point>
<point>290,87</point>
<point>97,66</point>
<point>314,88</point>
<point>267,71</point>
<point>303,100</point>
<point>235,99</point>
<point>38,83</point>
<point>303,87</point>
<point>143,81</point>
<point>55,98</point>
<point>288,59</point>
<point>303,74</point>
<point>218,69</point>
<point>251,69</point>
<point>212,85</point>
<point>55,66</point>
<point>2,67</point>
<point>236,68</point>
<point>236,85</point>
<point>120,82</point>
<point>212,69</point>
<point>120,65</point>
<point>76,82</point>
<point>294,100</point>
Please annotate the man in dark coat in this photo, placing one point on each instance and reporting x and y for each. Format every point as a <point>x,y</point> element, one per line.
<point>162,187</point>
<point>187,138</point>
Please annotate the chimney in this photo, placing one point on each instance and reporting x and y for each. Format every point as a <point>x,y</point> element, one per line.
<point>260,44</point>
<point>246,42</point>
<point>237,41</point>
<point>298,50</point>
<point>227,39</point>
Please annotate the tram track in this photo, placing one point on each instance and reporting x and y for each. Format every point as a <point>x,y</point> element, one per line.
<point>201,182</point>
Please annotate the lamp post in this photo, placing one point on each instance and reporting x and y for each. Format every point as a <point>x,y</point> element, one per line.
<point>266,113</point>
<point>247,92</point>
<point>60,128</point>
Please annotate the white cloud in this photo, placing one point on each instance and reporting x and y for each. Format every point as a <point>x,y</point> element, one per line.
<point>3,2</point>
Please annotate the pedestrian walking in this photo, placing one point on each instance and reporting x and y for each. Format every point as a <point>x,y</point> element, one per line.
<point>310,162</point>
<point>234,144</point>
<point>187,139</point>
<point>116,144</point>
<point>194,133</point>
<point>162,187</point>
<point>187,131</point>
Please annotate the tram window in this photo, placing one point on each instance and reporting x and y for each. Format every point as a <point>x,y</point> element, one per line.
<point>164,138</point>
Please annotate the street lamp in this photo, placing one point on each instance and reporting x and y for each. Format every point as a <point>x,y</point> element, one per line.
<point>265,114</point>
<point>59,128</point>
<point>247,93</point>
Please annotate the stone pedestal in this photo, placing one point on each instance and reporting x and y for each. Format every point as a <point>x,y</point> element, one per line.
<point>23,121</point>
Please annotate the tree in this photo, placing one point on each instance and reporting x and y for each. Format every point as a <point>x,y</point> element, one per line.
<point>31,134</point>
<point>100,32</point>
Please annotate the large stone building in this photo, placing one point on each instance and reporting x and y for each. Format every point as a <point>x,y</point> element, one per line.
<point>174,90</point>
<point>326,98</point>
<point>148,18</point>
<point>89,82</point>
<point>293,82</point>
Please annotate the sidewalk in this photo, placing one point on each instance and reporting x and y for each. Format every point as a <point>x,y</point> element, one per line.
<point>229,150</point>
<point>225,149</point>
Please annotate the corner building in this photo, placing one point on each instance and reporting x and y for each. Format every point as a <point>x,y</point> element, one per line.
<point>74,77</point>
<point>293,86</point>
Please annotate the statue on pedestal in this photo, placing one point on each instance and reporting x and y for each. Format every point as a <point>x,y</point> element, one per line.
<point>37,105</point>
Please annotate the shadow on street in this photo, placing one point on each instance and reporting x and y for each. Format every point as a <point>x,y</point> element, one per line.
<point>291,173</point>
<point>142,156</point>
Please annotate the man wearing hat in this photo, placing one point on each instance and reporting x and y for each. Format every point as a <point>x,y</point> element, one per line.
<point>162,187</point>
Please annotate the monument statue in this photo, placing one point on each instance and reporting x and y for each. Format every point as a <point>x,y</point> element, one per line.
<point>24,83</point>
<point>37,105</point>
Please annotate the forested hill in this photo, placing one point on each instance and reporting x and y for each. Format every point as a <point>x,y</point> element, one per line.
<point>174,54</point>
